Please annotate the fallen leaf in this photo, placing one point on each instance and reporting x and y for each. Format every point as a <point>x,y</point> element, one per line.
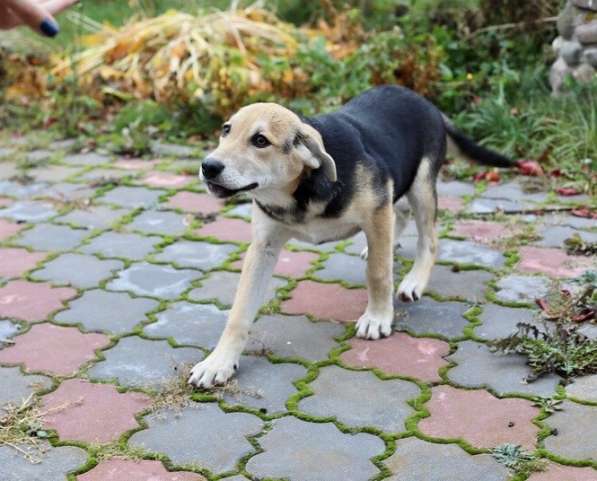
<point>530,167</point>
<point>568,191</point>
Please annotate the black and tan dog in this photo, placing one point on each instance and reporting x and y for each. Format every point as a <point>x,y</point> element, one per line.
<point>327,178</point>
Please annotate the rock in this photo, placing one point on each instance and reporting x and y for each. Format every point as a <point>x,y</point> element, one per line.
<point>557,75</point>
<point>588,4</point>
<point>587,33</point>
<point>556,45</point>
<point>584,73</point>
<point>570,51</point>
<point>566,21</point>
<point>590,56</point>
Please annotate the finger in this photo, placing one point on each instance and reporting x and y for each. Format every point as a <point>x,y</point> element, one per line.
<point>57,6</point>
<point>35,16</point>
<point>8,19</point>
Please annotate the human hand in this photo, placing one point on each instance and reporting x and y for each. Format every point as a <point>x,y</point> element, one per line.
<point>37,14</point>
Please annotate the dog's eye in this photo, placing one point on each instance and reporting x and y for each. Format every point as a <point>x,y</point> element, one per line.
<point>225,130</point>
<point>260,141</point>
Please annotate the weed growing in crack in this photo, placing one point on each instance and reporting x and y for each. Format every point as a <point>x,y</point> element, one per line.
<point>514,457</point>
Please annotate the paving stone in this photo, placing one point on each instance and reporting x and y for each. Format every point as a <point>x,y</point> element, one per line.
<point>462,284</point>
<point>16,387</point>
<point>32,301</point>
<point>94,217</point>
<point>5,201</point>
<point>101,176</point>
<point>451,204</point>
<point>8,329</point>
<point>118,469</point>
<point>47,237</point>
<point>184,166</point>
<point>419,358</point>
<point>326,301</point>
<point>341,267</point>
<point>8,229</point>
<point>227,230</point>
<point>583,388</point>
<point>555,472</point>
<point>146,279</point>
<point>203,204</point>
<point>482,232</point>
<point>262,385</point>
<point>309,246</point>
<point>167,180</point>
<point>189,324</point>
<point>64,145</point>
<point>133,197</point>
<point>339,393</point>
<point>290,263</point>
<point>29,211</point>
<point>574,423</point>
<point>6,152</point>
<point>15,262</point>
<point>458,413</point>
<point>455,188</point>
<point>488,206</point>
<point>157,222</point>
<point>172,150</point>
<point>19,190</point>
<point>221,286</point>
<point>8,170</point>
<point>331,455</point>
<point>515,288</point>
<point>431,317</point>
<point>112,312</point>
<point>450,463</point>
<point>77,270</point>
<point>198,255</point>
<point>554,236</point>
<point>294,337</point>
<point>92,413</point>
<point>513,190</point>
<point>126,246</point>
<point>53,349</point>
<point>55,463</point>
<point>466,252</point>
<point>52,173</point>
<point>240,478</point>
<point>68,192</point>
<point>570,221</point>
<point>136,362</point>
<point>90,158</point>
<point>499,322</point>
<point>477,366</point>
<point>357,244</point>
<point>180,435</point>
<point>136,164</point>
<point>241,210</point>
<point>553,262</point>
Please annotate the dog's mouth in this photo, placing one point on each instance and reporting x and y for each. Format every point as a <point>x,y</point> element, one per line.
<point>223,192</point>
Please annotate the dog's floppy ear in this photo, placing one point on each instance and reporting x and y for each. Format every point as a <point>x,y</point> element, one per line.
<point>313,153</point>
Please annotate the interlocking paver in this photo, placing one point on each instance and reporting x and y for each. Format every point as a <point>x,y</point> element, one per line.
<point>431,317</point>
<point>513,190</point>
<point>113,312</point>
<point>94,217</point>
<point>516,288</point>
<point>47,237</point>
<point>87,159</point>
<point>330,454</point>
<point>350,269</point>
<point>68,192</point>
<point>499,322</point>
<point>483,232</point>
<point>450,463</point>
<point>32,302</point>
<point>13,188</point>
<point>53,349</point>
<point>133,197</point>
<point>584,388</point>
<point>137,362</point>
<point>167,180</point>
<point>15,262</point>
<point>451,204</point>
<point>227,230</point>
<point>164,149</point>
<point>489,206</point>
<point>462,284</point>
<point>339,392</point>
<point>199,255</point>
<point>455,188</point>
<point>180,435</point>
<point>159,222</point>
<point>556,472</point>
<point>29,211</point>
<point>93,413</point>
<point>9,229</point>
<point>552,262</point>
<point>77,270</point>
<point>241,210</point>
<point>419,358</point>
<point>573,423</point>
<point>554,236</point>
<point>194,203</point>
<point>101,176</point>
<point>290,264</point>
<point>53,173</point>
<point>126,246</point>
<point>135,164</point>
<point>7,330</point>
<point>466,252</point>
<point>118,469</point>
<point>16,387</point>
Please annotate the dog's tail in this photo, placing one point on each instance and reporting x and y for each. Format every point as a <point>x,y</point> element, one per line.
<point>461,145</point>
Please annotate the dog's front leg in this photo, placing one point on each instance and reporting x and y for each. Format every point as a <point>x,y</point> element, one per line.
<point>377,320</point>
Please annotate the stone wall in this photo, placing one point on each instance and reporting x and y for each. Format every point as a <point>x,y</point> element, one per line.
<point>576,46</point>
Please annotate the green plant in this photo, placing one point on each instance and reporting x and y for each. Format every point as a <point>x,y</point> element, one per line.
<point>517,459</point>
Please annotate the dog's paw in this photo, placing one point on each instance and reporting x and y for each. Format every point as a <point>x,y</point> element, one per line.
<point>411,288</point>
<point>374,327</point>
<point>214,370</point>
<point>365,253</point>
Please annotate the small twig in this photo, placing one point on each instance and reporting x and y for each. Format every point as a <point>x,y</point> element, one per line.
<point>510,26</point>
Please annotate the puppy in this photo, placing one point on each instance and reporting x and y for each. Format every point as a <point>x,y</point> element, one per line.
<point>326,178</point>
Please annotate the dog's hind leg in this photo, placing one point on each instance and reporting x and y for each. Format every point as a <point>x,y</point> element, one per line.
<point>423,199</point>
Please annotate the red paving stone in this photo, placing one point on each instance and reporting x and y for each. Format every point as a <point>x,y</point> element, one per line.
<point>290,264</point>
<point>480,231</point>
<point>4,201</point>
<point>117,469</point>
<point>32,301</point>
<point>167,180</point>
<point>400,354</point>
<point>553,262</point>
<point>326,301</point>
<point>53,349</point>
<point>555,472</point>
<point>8,229</point>
<point>136,164</point>
<point>231,230</point>
<point>15,262</point>
<point>453,204</point>
<point>479,418</point>
<point>95,413</point>
<point>195,203</point>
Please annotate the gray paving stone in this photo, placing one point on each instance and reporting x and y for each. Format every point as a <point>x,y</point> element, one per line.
<point>126,246</point>
<point>38,155</point>
<point>221,286</point>
<point>16,387</point>
<point>515,288</point>
<point>450,463</point>
<point>318,452</point>
<point>112,312</point>
<point>29,211</point>
<point>186,166</point>
<point>163,149</point>
<point>52,173</point>
<point>499,322</point>
<point>132,197</point>
<point>455,188</point>
<point>63,145</point>
<point>94,217</point>
<point>190,324</point>
<point>77,270</point>
<point>8,170</point>
<point>430,317</point>
<point>137,362</point>
<point>339,393</point>
<point>589,330</point>
<point>583,388</point>
<point>513,191</point>
<point>576,426</point>
<point>159,222</point>
<point>6,152</point>
<point>477,367</point>
<point>90,158</point>
<point>146,279</point>
<point>236,478</point>
<point>466,252</point>
<point>101,175</point>
<point>488,206</point>
<point>66,192</point>
<point>357,244</point>
<point>181,435</point>
<point>241,210</point>
<point>22,191</point>
<point>570,221</point>
<point>262,385</point>
<point>467,285</point>
<point>7,330</point>
<point>199,255</point>
<point>294,337</point>
<point>554,236</point>
<point>350,269</point>
<point>46,237</point>
<point>308,246</point>
<point>55,463</point>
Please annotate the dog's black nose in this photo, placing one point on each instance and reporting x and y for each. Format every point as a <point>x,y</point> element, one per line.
<point>211,168</point>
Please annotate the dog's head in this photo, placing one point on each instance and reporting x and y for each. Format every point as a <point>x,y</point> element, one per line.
<point>264,147</point>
